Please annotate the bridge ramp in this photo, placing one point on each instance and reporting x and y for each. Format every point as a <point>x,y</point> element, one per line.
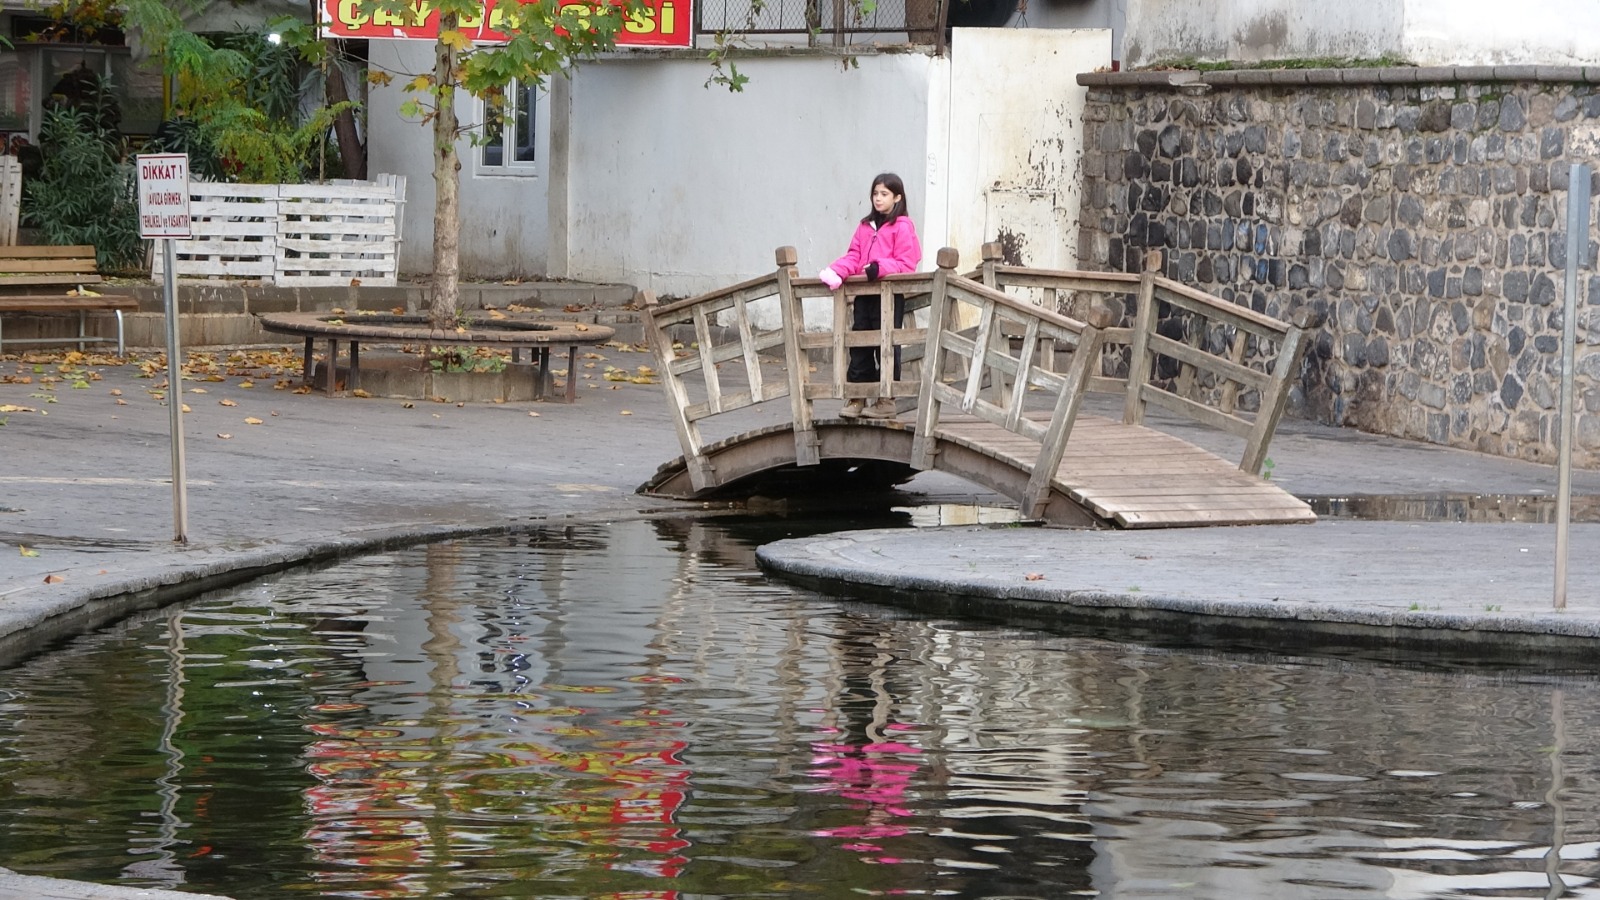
<point>1136,477</point>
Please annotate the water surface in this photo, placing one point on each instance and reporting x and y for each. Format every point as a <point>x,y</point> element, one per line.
<point>633,711</point>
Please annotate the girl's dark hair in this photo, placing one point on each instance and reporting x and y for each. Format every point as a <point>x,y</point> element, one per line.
<point>896,187</point>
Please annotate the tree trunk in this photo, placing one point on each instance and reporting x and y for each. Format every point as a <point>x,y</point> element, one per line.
<point>351,153</point>
<point>447,185</point>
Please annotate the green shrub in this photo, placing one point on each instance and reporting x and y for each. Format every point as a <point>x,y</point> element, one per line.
<point>85,193</point>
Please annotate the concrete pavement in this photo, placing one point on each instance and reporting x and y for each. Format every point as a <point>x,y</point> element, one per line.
<point>86,507</point>
<point>278,478</point>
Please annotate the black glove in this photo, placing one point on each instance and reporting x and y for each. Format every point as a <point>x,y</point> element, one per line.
<point>871,271</point>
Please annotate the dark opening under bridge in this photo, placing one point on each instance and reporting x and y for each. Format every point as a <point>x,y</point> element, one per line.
<point>997,364</point>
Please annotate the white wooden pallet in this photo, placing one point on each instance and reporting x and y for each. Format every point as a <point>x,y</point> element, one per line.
<point>299,235</point>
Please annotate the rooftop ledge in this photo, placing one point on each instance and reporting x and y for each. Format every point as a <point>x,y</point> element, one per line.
<point>1195,81</point>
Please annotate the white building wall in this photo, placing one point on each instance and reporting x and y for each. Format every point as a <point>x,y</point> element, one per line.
<point>1484,32</point>
<point>678,188</point>
<point>1014,148</point>
<point>650,178</point>
<point>1425,32</point>
<point>503,227</point>
<point>1112,14</point>
<point>1253,30</point>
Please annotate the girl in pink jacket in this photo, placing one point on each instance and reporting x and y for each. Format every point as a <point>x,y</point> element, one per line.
<point>885,243</point>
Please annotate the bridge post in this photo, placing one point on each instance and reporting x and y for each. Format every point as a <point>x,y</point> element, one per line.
<point>1276,396</point>
<point>924,446</point>
<point>807,448</point>
<point>993,255</point>
<point>1144,325</point>
<point>1085,365</point>
<point>701,474</point>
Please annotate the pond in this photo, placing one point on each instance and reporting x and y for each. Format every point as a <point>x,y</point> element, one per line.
<point>633,711</point>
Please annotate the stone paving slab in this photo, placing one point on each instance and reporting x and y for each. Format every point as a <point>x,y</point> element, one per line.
<point>1442,585</point>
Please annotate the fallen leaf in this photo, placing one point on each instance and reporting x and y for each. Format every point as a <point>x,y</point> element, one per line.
<point>9,408</point>
<point>185,407</point>
<point>224,435</point>
<point>409,405</point>
<point>226,402</point>
<point>197,390</point>
<point>252,421</point>
<point>626,412</point>
<point>247,385</point>
<point>121,402</point>
<point>1034,576</point>
<point>358,392</point>
<point>534,415</point>
<point>116,392</point>
<point>28,551</point>
<point>53,579</point>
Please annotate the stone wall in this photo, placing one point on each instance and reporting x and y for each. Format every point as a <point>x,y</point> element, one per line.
<point>1423,210</point>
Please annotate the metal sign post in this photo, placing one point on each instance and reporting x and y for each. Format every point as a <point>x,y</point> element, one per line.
<point>164,215</point>
<point>1577,254</point>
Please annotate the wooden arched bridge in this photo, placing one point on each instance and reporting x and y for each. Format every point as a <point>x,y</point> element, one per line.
<point>997,365</point>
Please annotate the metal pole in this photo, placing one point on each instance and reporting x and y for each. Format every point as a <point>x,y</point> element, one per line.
<point>180,488</point>
<point>1577,253</point>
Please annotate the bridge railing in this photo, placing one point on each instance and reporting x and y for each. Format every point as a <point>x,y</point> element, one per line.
<point>724,330</point>
<point>1220,338</point>
<point>1231,367</point>
<point>970,348</point>
<point>819,355</point>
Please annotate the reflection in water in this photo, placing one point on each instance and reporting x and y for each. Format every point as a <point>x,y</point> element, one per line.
<point>635,712</point>
<point>1532,508</point>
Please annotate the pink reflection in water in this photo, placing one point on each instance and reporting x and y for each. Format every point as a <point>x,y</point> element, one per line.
<point>877,774</point>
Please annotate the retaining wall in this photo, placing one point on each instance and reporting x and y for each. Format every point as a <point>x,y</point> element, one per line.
<point>1423,209</point>
<point>223,314</point>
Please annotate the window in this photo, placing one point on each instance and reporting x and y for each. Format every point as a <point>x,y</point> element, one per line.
<point>509,137</point>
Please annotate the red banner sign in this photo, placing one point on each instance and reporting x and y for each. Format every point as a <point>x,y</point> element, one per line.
<point>662,23</point>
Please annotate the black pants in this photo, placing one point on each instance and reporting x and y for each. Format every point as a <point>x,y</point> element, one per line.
<point>867,315</point>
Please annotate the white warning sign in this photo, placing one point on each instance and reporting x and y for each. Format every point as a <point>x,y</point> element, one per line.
<point>164,195</point>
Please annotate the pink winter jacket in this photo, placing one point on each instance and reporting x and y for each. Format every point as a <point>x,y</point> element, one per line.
<point>894,247</point>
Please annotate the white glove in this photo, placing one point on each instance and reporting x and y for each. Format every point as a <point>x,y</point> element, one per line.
<point>830,278</point>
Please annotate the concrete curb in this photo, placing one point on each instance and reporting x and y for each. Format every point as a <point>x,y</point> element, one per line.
<point>33,887</point>
<point>30,627</point>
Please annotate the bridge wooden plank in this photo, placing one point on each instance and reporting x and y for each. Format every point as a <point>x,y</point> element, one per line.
<point>1141,478</point>
<point>1130,505</point>
<point>1175,519</point>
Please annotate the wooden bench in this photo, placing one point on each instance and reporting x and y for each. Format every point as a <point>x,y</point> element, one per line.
<point>50,280</point>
